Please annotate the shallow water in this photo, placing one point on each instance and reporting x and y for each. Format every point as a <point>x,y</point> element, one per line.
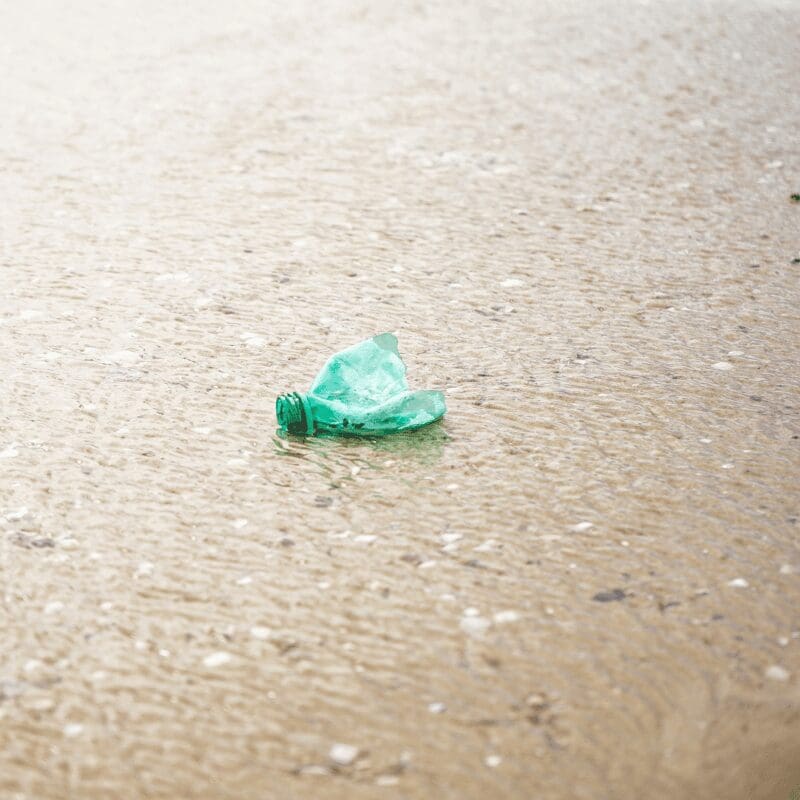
<point>583,583</point>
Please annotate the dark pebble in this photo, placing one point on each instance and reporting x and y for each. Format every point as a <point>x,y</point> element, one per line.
<point>610,596</point>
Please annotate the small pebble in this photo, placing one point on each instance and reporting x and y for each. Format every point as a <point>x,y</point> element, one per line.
<point>343,754</point>
<point>239,523</point>
<point>502,617</point>
<point>217,659</point>
<point>260,632</point>
<point>512,283</point>
<point>437,708</point>
<point>12,516</point>
<point>738,583</point>
<point>776,673</point>
<point>493,761</point>
<point>610,596</point>
<point>73,729</point>
<point>786,569</point>
<point>53,607</point>
<point>723,365</point>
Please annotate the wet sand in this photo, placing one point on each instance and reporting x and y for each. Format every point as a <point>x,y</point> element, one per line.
<point>584,583</point>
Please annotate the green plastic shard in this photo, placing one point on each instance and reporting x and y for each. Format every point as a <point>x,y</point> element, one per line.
<point>361,391</point>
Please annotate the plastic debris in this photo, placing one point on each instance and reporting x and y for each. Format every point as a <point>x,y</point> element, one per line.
<point>361,391</point>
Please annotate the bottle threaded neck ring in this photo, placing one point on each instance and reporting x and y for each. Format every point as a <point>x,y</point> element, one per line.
<point>293,413</point>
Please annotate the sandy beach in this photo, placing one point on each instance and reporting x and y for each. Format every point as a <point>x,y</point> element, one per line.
<point>583,584</point>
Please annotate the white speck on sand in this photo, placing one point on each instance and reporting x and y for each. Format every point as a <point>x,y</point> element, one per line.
<point>53,607</point>
<point>10,451</point>
<point>68,543</point>
<point>452,487</point>
<point>777,673</point>
<point>723,365</point>
<point>203,430</point>
<point>501,617</point>
<point>728,466</point>
<point>260,632</point>
<point>581,527</point>
<point>430,564</point>
<point>783,641</point>
<point>253,340</point>
<point>239,523</point>
<point>343,754</point>
<point>512,283</point>
<point>218,659</point>
<point>365,538</point>
<point>738,583</point>
<point>314,769</point>
<point>449,538</point>
<point>493,761</point>
<point>175,277</point>
<point>244,580</point>
<point>124,358</point>
<point>489,544</point>
<point>786,569</point>
<point>705,441</point>
<point>11,516</point>
<point>73,729</point>
<point>437,708</point>
<point>107,605</point>
<point>735,353</point>
<point>144,568</point>
<point>474,626</point>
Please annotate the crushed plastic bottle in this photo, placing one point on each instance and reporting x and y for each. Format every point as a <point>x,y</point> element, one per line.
<point>361,391</point>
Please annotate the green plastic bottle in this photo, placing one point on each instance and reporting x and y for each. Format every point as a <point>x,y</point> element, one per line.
<point>361,391</point>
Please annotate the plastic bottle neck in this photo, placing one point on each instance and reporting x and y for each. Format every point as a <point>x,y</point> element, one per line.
<point>294,413</point>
